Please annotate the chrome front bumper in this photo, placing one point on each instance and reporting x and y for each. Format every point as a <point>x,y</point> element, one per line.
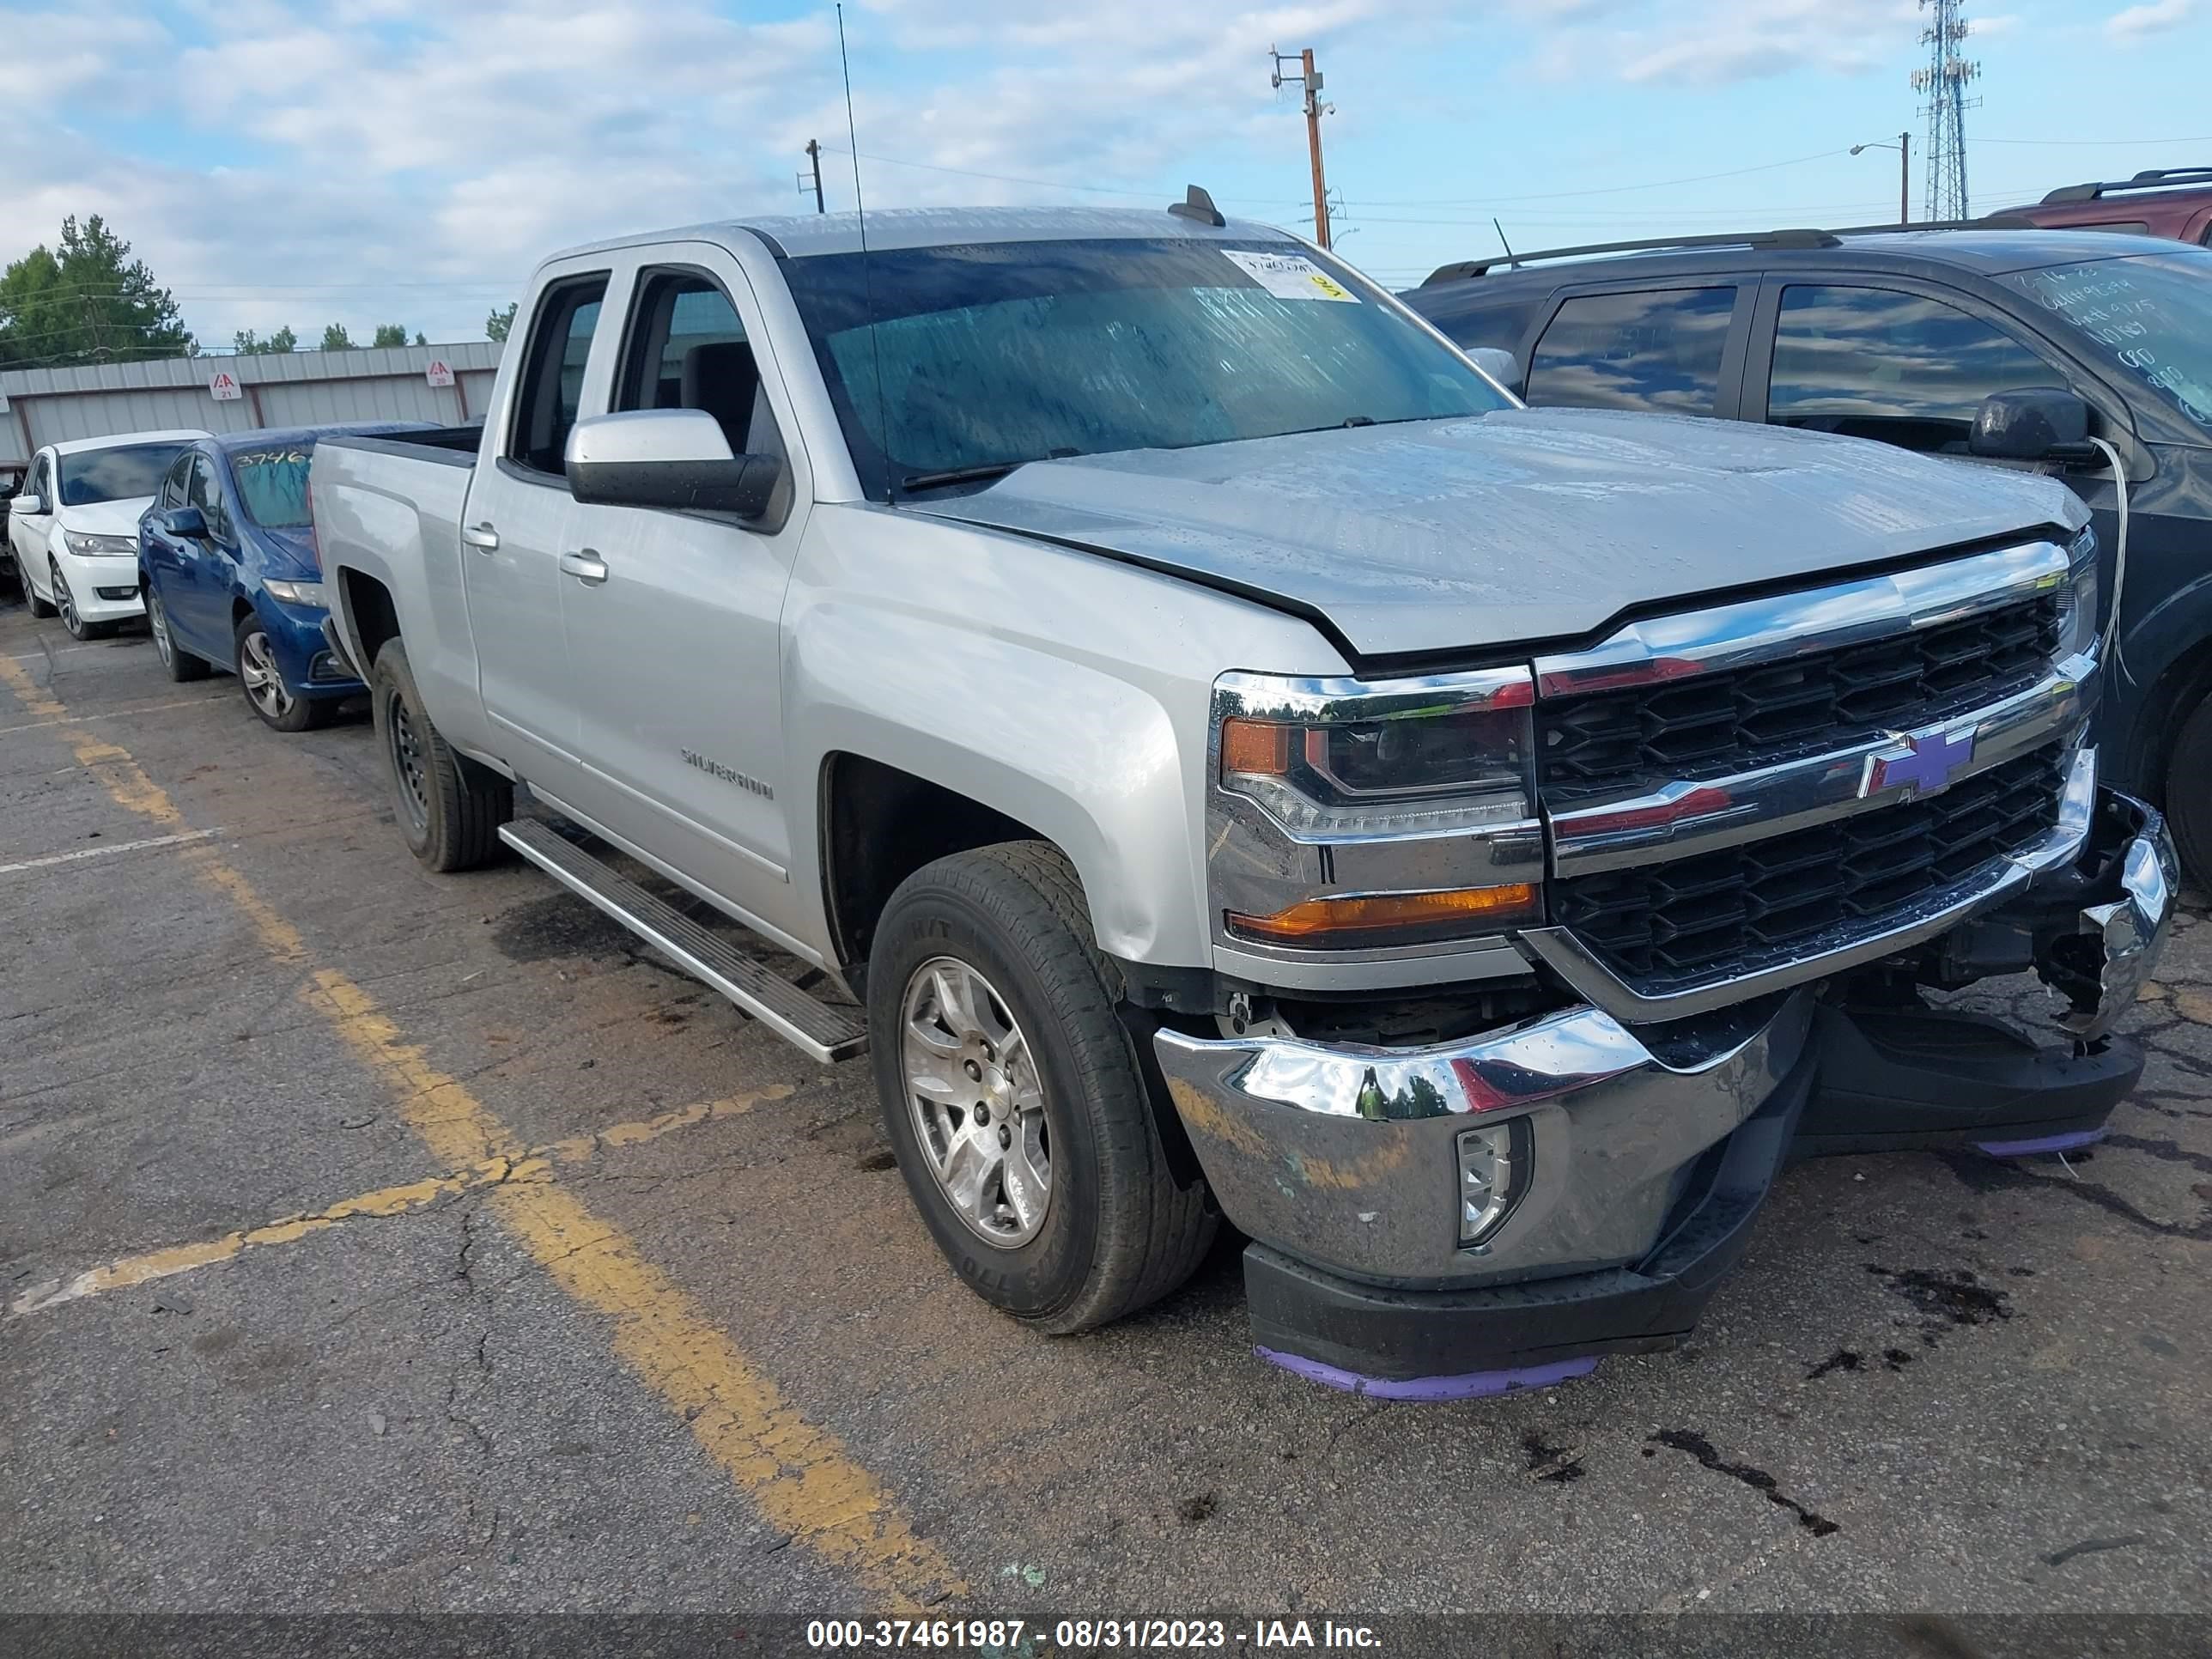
<point>1345,1157</point>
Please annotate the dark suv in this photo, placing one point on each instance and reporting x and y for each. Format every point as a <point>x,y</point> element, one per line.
<point>1906,337</point>
<point>2175,202</point>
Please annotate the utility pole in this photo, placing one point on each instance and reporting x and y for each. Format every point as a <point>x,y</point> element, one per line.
<point>1905,177</point>
<point>811,178</point>
<point>1309,78</point>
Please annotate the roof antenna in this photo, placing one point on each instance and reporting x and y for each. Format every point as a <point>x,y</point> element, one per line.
<point>1197,205</point>
<point>1502,243</point>
<point>868,285</point>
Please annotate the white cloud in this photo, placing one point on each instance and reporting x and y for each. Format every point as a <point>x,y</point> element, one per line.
<point>2153,18</point>
<point>1689,43</point>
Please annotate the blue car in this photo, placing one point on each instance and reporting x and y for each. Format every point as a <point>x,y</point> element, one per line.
<point>228,566</point>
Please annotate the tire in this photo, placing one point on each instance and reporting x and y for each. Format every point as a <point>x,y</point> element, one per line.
<point>64,602</point>
<point>2188,793</point>
<point>449,808</point>
<point>39,608</point>
<point>178,663</point>
<point>1115,1233</point>
<point>261,678</point>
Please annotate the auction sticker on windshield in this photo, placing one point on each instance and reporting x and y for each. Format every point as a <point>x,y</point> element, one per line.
<point>1289,275</point>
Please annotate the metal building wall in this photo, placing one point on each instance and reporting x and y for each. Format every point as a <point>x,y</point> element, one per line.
<point>302,388</point>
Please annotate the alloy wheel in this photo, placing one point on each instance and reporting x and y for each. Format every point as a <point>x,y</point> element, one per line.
<point>157,619</point>
<point>977,1102</point>
<point>65,603</point>
<point>265,681</point>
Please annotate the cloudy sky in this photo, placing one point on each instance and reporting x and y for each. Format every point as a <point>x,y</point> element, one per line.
<point>302,162</point>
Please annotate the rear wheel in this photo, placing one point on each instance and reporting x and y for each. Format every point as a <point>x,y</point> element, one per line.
<point>450,808</point>
<point>262,677</point>
<point>2189,794</point>
<point>181,663</point>
<point>1012,1095</point>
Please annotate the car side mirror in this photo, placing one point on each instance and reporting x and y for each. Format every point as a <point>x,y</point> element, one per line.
<point>2035,424</point>
<point>669,458</point>
<point>27,505</point>
<point>186,524</point>
<point>1501,365</point>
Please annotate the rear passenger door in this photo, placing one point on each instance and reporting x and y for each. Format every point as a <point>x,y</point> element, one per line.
<point>1675,349</point>
<point>674,652</point>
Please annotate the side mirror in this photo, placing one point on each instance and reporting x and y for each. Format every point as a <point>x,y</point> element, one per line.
<point>1502,366</point>
<point>27,505</point>
<point>2035,424</point>
<point>671,458</point>
<point>184,523</point>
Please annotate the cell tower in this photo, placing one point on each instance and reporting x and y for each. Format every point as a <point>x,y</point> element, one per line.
<point>1944,82</point>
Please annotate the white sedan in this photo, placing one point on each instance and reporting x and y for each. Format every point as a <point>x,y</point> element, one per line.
<point>74,527</point>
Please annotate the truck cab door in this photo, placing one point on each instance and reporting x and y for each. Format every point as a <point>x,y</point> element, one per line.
<point>673,625</point>
<point>512,532</point>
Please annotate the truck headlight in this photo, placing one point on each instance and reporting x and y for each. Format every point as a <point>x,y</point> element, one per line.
<point>2080,602</point>
<point>1338,769</point>
<point>99,547</point>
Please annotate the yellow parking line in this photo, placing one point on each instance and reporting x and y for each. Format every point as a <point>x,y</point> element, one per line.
<point>147,1266</point>
<point>800,1476</point>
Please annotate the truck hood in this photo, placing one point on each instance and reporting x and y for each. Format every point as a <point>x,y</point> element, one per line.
<point>1512,527</point>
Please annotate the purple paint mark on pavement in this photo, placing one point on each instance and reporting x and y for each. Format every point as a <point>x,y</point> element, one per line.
<point>1471,1385</point>
<point>2065,1143</point>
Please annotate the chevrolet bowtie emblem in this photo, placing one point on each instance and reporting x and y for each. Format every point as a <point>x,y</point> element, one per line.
<point>1923,763</point>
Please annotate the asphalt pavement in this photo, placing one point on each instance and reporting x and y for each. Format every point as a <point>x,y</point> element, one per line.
<point>375,1241</point>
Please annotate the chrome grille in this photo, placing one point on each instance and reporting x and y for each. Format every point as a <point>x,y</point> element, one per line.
<point>1662,927</point>
<point>1615,741</point>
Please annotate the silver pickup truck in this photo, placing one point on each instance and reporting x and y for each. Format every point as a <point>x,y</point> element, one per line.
<point>1227,759</point>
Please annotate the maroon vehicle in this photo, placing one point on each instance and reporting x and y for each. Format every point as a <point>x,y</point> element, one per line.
<point>2175,202</point>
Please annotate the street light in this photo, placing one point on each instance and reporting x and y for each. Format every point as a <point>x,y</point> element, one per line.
<point>1904,148</point>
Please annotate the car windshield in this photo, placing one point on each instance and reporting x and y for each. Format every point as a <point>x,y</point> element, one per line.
<point>272,483</point>
<point>121,474</point>
<point>2150,315</point>
<point>990,354</point>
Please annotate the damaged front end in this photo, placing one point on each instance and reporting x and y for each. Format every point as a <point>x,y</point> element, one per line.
<point>1496,1211</point>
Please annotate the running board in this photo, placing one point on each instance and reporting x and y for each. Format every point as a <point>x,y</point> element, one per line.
<point>816,1028</point>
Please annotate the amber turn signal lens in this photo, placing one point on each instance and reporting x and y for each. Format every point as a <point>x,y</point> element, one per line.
<point>1391,918</point>
<point>1256,748</point>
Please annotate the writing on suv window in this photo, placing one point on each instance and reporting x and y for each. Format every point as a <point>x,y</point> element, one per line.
<point>2150,314</point>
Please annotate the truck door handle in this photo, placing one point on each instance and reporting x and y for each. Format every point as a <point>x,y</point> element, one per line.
<point>481,536</point>
<point>584,566</point>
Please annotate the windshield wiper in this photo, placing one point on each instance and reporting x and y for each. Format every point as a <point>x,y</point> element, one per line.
<point>982,473</point>
<point>956,475</point>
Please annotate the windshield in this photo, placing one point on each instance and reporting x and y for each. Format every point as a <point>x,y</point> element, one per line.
<point>272,483</point>
<point>1007,352</point>
<point>121,474</point>
<point>2150,315</point>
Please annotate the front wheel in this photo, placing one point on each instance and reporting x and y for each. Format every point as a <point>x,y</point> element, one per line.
<point>1012,1095</point>
<point>2189,794</point>
<point>39,608</point>
<point>262,677</point>
<point>450,807</point>
<point>65,603</point>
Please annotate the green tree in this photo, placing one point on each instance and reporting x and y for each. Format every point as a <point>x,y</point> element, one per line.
<point>496,325</point>
<point>335,338</point>
<point>250,345</point>
<point>390,334</point>
<point>419,340</point>
<point>86,302</point>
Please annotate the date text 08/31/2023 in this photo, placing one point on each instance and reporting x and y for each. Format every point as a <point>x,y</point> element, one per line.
<point>1016,1638</point>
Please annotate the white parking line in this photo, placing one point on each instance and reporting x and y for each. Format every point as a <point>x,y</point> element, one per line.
<point>119,714</point>
<point>33,656</point>
<point>101,852</point>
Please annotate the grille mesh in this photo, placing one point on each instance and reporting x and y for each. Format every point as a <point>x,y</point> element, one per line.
<point>1661,926</point>
<point>1613,742</point>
